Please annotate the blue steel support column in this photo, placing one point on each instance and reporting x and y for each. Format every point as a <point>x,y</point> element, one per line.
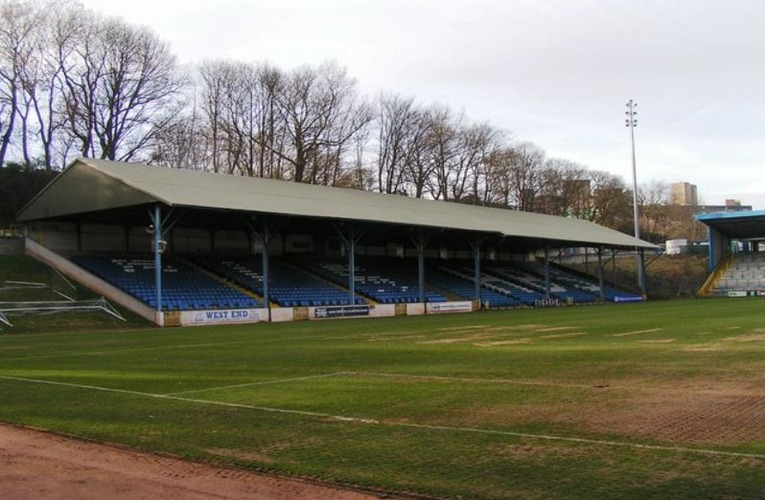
<point>421,268</point>
<point>547,273</point>
<point>157,220</point>
<point>600,273</point>
<point>265,240</point>
<point>349,238</point>
<point>351,245</point>
<point>419,242</point>
<point>477,270</point>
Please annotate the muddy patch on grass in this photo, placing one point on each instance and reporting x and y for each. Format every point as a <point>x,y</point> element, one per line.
<point>495,343</point>
<point>459,328</point>
<point>755,337</point>
<point>700,411</point>
<point>512,328</point>
<point>554,329</point>
<point>702,348</point>
<point>456,340</point>
<point>483,335</point>
<point>526,452</point>
<point>382,337</point>
<point>562,335</point>
<point>691,412</point>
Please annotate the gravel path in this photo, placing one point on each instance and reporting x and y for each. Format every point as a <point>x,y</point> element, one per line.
<point>36,465</point>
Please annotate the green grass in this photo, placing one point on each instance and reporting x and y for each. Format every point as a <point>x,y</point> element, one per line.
<point>656,400</point>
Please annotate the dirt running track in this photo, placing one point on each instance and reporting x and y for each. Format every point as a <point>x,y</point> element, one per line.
<point>35,465</point>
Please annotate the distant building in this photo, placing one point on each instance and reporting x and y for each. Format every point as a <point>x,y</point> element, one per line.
<point>684,193</point>
<point>730,206</point>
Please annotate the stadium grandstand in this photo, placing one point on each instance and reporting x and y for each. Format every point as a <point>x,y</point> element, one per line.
<point>736,254</point>
<point>183,247</point>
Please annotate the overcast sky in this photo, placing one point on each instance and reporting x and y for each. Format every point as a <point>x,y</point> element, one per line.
<point>556,73</point>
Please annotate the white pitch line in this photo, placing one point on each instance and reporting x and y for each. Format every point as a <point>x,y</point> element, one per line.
<point>128,349</point>
<point>175,398</point>
<point>625,334</point>
<point>250,384</point>
<point>371,421</point>
<point>164,347</point>
<point>472,380</point>
<point>117,351</point>
<point>583,440</point>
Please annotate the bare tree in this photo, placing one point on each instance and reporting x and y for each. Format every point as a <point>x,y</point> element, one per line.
<point>120,83</point>
<point>6,112</point>
<point>237,121</point>
<point>183,143</point>
<point>214,77</point>
<point>16,45</point>
<point>653,199</point>
<point>526,170</point>
<point>245,128</point>
<point>610,202</point>
<point>347,128</point>
<point>441,144</point>
<point>476,144</point>
<point>321,113</point>
<point>42,84</point>
<point>566,189</point>
<point>399,125</point>
<point>270,137</point>
<point>498,178</point>
<point>82,70</point>
<point>136,98</point>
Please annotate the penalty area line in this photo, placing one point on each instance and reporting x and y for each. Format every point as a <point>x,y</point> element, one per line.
<point>252,384</point>
<point>441,378</point>
<point>176,398</point>
<point>370,421</point>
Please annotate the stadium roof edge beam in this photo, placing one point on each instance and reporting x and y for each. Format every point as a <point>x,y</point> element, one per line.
<point>89,185</point>
<point>736,225</point>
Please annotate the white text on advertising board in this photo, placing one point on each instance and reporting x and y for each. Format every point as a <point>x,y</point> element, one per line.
<point>226,316</point>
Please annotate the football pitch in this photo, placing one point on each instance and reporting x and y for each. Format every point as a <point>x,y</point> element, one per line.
<point>653,400</point>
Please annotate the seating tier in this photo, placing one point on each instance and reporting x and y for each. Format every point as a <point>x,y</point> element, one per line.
<point>183,286</point>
